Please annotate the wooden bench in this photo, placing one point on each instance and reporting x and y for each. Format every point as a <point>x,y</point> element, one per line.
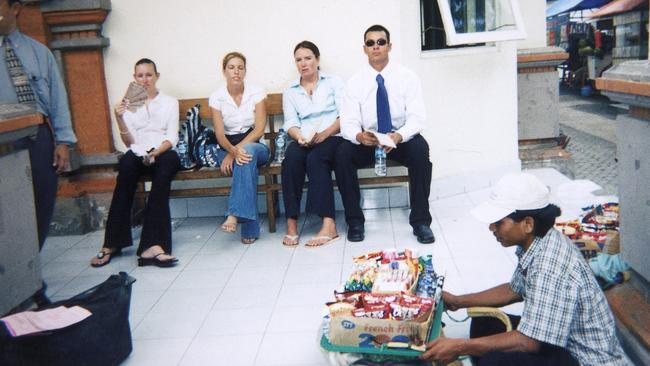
<point>270,173</point>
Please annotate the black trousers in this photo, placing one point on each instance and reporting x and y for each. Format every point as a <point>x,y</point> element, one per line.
<point>413,154</point>
<point>156,228</point>
<point>44,177</point>
<point>549,355</point>
<point>317,163</point>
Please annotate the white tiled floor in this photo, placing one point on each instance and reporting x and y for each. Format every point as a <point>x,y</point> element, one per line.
<point>230,304</point>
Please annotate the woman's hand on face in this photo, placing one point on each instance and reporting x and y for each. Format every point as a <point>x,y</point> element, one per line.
<point>242,157</point>
<point>121,108</point>
<point>226,164</point>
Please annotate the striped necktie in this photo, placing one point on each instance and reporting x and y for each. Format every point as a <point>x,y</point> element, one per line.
<point>384,123</point>
<point>20,80</point>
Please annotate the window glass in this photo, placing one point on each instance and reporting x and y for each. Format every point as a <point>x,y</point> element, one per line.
<point>469,22</point>
<point>471,16</point>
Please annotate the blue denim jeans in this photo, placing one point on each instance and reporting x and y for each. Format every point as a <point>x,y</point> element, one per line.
<point>243,193</point>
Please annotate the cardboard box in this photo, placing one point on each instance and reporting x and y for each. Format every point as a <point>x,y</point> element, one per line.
<point>345,330</point>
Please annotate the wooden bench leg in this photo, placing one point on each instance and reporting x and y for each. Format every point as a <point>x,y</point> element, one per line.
<point>270,207</point>
<point>271,199</point>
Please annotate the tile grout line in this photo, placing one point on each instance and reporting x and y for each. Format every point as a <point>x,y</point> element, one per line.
<point>259,348</point>
<point>215,299</point>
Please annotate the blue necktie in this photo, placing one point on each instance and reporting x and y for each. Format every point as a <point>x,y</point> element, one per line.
<point>384,124</point>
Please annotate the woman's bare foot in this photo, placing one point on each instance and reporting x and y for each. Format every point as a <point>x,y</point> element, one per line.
<point>104,257</point>
<point>326,235</point>
<point>158,252</point>
<point>291,239</point>
<point>230,225</point>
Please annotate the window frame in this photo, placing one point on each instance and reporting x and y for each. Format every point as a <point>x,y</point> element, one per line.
<point>456,39</point>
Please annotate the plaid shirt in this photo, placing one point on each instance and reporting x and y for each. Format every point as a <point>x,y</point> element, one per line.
<point>563,304</point>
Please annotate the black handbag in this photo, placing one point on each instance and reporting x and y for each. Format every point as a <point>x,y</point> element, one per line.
<point>104,338</point>
<point>237,138</point>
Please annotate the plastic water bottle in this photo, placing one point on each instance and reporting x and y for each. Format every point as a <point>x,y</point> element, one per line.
<point>380,161</point>
<point>280,146</point>
<point>181,149</point>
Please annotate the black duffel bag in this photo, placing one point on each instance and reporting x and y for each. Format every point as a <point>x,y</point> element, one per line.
<point>104,338</point>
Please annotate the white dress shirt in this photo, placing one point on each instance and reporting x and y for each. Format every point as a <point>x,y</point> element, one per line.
<point>152,124</point>
<point>237,119</point>
<point>359,110</point>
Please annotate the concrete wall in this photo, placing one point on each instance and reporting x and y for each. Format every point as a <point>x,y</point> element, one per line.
<point>634,174</point>
<point>471,94</point>
<point>534,14</point>
<point>538,108</point>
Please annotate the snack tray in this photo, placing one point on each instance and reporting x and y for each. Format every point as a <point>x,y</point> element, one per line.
<point>434,332</point>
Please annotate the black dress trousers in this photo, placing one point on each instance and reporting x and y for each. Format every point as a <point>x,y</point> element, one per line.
<point>317,163</point>
<point>413,154</point>
<point>156,228</point>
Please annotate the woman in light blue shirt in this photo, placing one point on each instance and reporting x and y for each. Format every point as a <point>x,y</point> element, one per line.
<point>311,112</point>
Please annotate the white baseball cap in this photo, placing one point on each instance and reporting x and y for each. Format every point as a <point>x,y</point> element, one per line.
<point>514,191</point>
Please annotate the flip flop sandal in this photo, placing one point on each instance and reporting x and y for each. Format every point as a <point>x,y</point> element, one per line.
<point>291,239</point>
<point>328,240</point>
<point>102,254</point>
<point>155,261</point>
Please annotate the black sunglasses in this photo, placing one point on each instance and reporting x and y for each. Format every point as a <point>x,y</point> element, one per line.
<point>380,42</point>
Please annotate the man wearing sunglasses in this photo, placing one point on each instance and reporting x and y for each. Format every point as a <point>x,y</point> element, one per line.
<point>384,97</point>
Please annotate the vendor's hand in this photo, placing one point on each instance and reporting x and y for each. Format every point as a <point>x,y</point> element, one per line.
<point>443,350</point>
<point>397,139</point>
<point>61,157</point>
<point>451,301</point>
<point>226,164</point>
<point>121,108</point>
<point>367,138</point>
<point>242,157</point>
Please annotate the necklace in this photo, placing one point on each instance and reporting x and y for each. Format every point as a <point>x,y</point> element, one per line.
<point>309,86</point>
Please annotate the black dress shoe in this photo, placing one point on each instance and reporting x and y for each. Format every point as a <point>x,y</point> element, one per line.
<point>355,233</point>
<point>424,234</point>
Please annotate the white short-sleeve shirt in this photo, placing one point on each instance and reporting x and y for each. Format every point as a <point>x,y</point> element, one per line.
<point>152,124</point>
<point>237,119</point>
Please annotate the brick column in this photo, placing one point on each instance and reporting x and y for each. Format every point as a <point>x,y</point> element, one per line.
<point>75,28</point>
<point>72,29</point>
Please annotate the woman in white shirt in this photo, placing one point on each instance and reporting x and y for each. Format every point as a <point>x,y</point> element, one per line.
<point>150,132</point>
<point>239,117</point>
<point>311,117</point>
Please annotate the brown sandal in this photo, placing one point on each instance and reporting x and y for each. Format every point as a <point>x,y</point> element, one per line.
<point>107,253</point>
